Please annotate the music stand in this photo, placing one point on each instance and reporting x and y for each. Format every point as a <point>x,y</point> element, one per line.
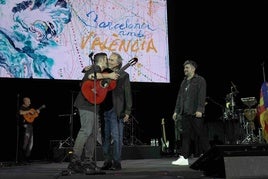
<point>133,138</point>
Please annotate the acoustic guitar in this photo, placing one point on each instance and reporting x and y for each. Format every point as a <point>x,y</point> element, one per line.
<point>30,117</point>
<point>102,85</point>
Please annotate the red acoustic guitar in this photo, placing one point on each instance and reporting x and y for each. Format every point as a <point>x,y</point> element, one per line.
<point>103,85</point>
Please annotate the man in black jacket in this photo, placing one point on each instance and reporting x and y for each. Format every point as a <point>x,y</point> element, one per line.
<point>189,110</point>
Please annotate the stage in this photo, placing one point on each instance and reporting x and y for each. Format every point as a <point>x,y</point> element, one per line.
<point>241,161</point>
<point>138,161</point>
<point>60,154</point>
<point>135,168</point>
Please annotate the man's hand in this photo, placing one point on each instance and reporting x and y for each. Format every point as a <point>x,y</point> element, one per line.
<point>126,118</point>
<point>174,116</point>
<point>198,114</point>
<point>113,75</point>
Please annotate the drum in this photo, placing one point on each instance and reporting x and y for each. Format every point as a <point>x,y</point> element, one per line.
<point>250,114</point>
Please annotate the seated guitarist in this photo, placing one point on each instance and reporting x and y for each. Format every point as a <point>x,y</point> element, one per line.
<point>26,129</point>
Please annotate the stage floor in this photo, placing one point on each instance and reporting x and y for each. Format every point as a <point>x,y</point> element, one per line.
<point>134,168</point>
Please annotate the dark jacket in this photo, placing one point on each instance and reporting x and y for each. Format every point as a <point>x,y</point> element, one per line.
<point>119,98</point>
<point>196,95</point>
<point>122,96</point>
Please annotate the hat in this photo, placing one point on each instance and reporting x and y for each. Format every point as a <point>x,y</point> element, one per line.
<point>191,62</point>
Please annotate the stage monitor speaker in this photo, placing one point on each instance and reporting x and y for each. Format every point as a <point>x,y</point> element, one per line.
<point>234,161</point>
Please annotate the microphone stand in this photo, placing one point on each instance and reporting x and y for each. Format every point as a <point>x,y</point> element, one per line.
<point>18,128</point>
<point>95,130</point>
<point>95,108</point>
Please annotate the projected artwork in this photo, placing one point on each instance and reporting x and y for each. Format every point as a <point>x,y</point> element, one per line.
<point>52,39</point>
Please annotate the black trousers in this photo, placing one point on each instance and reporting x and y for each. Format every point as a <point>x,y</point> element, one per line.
<point>194,131</point>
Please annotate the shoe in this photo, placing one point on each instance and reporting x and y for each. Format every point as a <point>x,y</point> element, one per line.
<point>106,165</point>
<point>181,161</point>
<point>90,168</point>
<point>91,165</point>
<point>75,167</point>
<point>116,166</point>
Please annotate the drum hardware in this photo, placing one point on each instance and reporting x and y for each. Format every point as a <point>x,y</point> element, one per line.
<point>250,137</point>
<point>249,134</point>
<point>250,114</point>
<point>233,88</point>
<point>231,118</point>
<point>249,127</point>
<point>260,136</point>
<point>230,103</point>
<point>230,112</point>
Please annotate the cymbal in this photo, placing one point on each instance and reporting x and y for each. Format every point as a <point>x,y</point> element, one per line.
<point>249,101</point>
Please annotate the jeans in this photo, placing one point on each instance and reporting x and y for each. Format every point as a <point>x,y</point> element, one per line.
<point>28,140</point>
<point>113,130</point>
<point>86,135</point>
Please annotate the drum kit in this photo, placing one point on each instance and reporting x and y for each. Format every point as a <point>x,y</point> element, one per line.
<point>241,128</point>
<point>250,134</point>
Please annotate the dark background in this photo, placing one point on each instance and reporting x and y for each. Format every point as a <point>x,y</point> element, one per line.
<point>227,39</point>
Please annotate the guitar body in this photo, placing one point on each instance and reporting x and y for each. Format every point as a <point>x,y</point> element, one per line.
<point>89,92</point>
<point>102,86</point>
<point>30,117</point>
<point>165,145</point>
<point>110,84</point>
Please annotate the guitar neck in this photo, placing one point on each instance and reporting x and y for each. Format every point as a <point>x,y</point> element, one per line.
<point>124,68</point>
<point>131,62</point>
<point>164,134</point>
<point>164,131</point>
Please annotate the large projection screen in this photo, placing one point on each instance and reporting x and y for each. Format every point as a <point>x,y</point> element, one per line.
<point>52,39</point>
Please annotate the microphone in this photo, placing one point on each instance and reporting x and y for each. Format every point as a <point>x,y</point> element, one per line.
<point>84,70</point>
<point>91,55</point>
